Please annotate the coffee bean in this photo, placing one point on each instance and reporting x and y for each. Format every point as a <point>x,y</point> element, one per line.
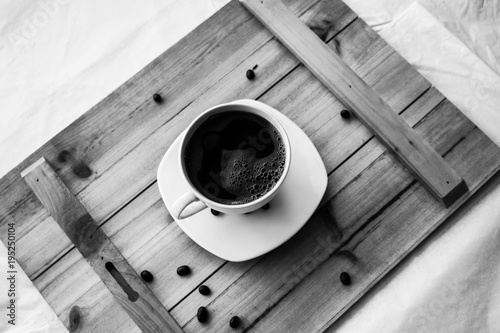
<point>266,206</point>
<point>345,114</point>
<point>157,98</point>
<point>147,276</point>
<point>202,314</point>
<point>235,322</point>
<point>250,74</point>
<point>345,278</point>
<point>215,212</point>
<point>204,290</point>
<point>183,270</point>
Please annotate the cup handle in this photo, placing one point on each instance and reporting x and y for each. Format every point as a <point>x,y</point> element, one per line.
<point>187,204</point>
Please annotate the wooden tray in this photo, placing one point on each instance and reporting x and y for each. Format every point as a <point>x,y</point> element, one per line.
<point>373,214</point>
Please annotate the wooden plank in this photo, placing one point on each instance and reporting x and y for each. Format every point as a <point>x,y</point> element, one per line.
<point>115,159</point>
<point>442,181</point>
<point>313,108</point>
<point>106,260</point>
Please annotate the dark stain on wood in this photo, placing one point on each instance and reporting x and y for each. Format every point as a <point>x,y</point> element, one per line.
<point>64,156</point>
<point>75,319</point>
<point>82,171</point>
<point>86,236</point>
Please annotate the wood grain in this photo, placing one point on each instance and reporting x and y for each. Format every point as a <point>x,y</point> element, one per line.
<point>441,180</point>
<point>106,260</point>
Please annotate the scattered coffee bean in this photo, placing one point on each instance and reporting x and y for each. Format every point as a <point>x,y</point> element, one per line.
<point>215,212</point>
<point>266,206</point>
<point>202,314</point>
<point>147,276</point>
<point>204,290</point>
<point>345,278</point>
<point>345,114</point>
<point>157,98</point>
<point>235,322</point>
<point>183,270</point>
<point>250,74</point>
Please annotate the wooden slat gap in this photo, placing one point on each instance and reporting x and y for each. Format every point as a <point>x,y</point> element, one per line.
<point>266,91</point>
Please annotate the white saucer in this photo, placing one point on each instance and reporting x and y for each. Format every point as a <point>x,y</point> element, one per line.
<point>243,237</point>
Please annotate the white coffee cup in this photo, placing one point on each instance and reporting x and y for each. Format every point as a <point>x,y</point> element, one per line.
<point>193,201</point>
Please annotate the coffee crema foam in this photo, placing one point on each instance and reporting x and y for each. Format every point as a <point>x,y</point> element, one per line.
<point>235,157</point>
<point>248,177</point>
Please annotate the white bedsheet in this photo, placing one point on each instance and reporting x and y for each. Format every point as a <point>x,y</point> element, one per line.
<point>59,58</point>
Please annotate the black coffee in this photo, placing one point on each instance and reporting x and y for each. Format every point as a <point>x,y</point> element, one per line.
<point>235,157</point>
